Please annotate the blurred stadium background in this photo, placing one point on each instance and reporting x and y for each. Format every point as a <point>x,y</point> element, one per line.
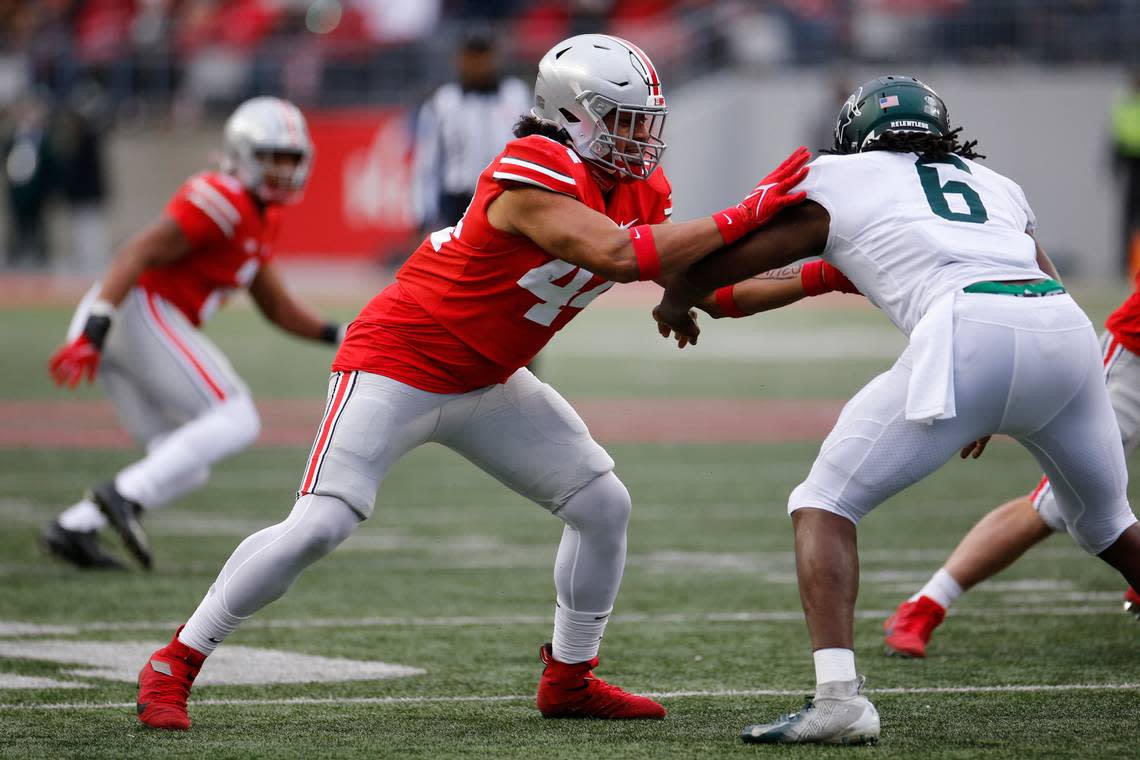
<point>144,85</point>
<point>119,100</point>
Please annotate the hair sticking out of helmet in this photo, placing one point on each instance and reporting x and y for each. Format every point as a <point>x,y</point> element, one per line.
<point>268,149</point>
<point>605,94</point>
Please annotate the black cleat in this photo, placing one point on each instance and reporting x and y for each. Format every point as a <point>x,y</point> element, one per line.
<point>80,548</point>
<point>123,515</point>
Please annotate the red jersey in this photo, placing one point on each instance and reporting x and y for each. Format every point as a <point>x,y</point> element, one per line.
<point>230,238</point>
<point>473,303</point>
<point>1124,323</point>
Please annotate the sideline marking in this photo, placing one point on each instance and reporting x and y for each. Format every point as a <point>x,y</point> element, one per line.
<point>242,665</point>
<point>725,693</point>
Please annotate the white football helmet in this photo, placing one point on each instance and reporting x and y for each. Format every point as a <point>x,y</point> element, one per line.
<point>262,126</point>
<point>585,79</point>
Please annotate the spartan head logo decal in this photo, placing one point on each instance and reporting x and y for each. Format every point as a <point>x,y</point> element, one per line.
<point>847,114</point>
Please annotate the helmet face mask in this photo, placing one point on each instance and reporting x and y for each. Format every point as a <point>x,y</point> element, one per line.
<point>268,149</point>
<point>605,93</point>
<point>889,104</point>
<point>629,139</point>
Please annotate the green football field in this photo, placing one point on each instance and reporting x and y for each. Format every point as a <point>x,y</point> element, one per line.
<point>419,637</point>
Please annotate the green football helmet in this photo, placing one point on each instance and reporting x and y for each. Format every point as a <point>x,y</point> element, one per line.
<point>889,104</point>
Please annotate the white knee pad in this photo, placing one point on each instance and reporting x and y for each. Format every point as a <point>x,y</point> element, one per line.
<point>601,507</point>
<point>240,419</point>
<point>808,496</point>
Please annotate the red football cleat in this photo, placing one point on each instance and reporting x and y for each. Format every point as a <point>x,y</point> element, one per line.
<point>909,629</point>
<point>1132,602</point>
<point>573,691</point>
<point>164,685</point>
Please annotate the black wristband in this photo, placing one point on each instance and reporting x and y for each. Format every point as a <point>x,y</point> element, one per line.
<point>330,333</point>
<point>96,330</point>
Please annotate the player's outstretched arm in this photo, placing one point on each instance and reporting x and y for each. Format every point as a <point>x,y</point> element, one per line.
<point>796,233</point>
<point>279,306</point>
<point>568,229</point>
<point>160,243</point>
<point>775,289</point>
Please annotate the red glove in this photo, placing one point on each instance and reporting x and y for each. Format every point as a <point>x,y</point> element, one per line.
<point>766,199</point>
<point>72,361</point>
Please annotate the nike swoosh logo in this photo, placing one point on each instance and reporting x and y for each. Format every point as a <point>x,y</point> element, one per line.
<point>627,225</point>
<point>216,641</point>
<point>763,191</point>
<point>637,234</point>
<point>727,218</point>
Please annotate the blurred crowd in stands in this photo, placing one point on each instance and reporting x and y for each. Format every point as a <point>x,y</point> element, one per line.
<point>190,54</point>
<point>69,68</point>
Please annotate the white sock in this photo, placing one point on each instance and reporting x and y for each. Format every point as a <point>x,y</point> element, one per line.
<point>83,517</point>
<point>941,587</point>
<point>577,635</point>
<point>834,665</point>
<point>209,625</point>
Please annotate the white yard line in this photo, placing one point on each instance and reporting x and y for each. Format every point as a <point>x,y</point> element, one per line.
<point>712,694</point>
<point>13,628</point>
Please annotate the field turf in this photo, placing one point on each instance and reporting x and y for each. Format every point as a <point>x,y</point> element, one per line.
<point>453,577</point>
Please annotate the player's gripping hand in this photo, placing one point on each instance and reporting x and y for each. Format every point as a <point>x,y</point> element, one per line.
<point>767,199</point>
<point>680,323</point>
<point>80,358</point>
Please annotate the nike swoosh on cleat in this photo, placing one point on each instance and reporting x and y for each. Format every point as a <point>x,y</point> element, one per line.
<point>140,707</point>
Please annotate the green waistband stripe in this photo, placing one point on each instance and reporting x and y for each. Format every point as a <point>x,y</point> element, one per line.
<point>1044,288</point>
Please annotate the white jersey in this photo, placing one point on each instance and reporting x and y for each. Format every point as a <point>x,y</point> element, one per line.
<point>905,232</point>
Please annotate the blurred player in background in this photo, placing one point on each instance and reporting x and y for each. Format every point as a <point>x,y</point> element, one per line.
<point>944,247</point>
<point>460,128</point>
<point>1126,159</point>
<point>137,329</point>
<point>572,206</point>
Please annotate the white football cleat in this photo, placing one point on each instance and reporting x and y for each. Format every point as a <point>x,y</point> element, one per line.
<point>838,714</point>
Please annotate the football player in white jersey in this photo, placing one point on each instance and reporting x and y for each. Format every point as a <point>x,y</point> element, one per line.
<point>944,247</point>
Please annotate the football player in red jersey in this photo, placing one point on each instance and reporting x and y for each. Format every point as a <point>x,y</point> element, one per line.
<point>137,329</point>
<point>573,205</point>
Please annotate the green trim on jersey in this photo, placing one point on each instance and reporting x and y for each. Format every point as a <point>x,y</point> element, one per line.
<point>1025,290</point>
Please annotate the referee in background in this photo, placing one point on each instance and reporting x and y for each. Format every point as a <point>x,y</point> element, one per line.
<point>460,128</point>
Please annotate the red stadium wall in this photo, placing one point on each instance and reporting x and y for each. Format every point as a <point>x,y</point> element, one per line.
<point>357,203</point>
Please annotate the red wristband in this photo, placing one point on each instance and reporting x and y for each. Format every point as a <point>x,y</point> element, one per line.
<point>731,224</point>
<point>811,277</point>
<point>727,304</point>
<point>818,277</point>
<point>645,250</point>
<point>836,280</point>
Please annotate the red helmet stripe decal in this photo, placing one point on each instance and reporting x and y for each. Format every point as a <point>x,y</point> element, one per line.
<point>654,81</point>
<point>290,126</point>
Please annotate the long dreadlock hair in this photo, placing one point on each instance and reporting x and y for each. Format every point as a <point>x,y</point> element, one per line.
<point>929,147</point>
